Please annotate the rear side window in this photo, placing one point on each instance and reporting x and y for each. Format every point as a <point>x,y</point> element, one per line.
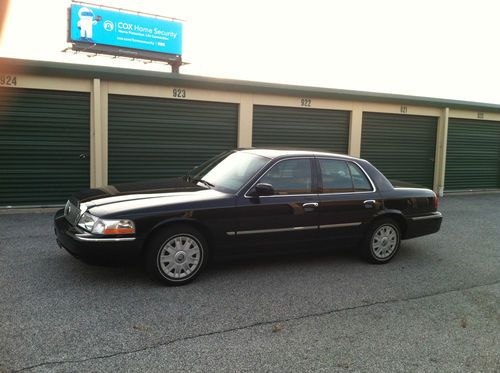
<point>336,176</point>
<point>359,179</point>
<point>339,176</point>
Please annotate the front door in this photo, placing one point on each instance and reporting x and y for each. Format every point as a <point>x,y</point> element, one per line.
<point>289,216</point>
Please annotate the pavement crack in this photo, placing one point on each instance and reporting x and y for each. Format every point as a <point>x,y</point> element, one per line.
<point>253,325</point>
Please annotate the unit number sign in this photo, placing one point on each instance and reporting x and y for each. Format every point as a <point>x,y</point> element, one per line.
<point>179,93</point>
<point>8,80</point>
<point>306,102</point>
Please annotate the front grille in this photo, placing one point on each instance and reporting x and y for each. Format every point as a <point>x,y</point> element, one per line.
<point>72,213</point>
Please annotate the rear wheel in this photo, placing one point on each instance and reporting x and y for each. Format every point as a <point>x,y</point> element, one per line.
<point>382,241</point>
<point>177,255</point>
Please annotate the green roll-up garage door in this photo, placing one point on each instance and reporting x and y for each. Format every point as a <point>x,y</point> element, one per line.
<point>44,146</point>
<point>401,146</point>
<point>472,155</point>
<point>152,137</point>
<point>301,128</point>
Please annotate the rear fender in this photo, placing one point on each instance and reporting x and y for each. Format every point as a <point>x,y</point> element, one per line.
<point>392,214</point>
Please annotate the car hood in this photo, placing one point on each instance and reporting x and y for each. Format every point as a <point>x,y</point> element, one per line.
<point>135,190</point>
<point>136,196</point>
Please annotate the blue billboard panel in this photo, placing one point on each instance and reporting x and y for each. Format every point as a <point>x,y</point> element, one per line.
<point>118,29</point>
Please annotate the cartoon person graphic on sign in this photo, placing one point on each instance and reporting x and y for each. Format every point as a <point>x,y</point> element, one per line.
<point>86,22</point>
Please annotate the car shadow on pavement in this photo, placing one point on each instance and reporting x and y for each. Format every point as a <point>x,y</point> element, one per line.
<point>133,272</point>
<point>278,259</point>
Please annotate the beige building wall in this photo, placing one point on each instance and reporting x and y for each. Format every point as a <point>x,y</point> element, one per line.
<point>441,142</point>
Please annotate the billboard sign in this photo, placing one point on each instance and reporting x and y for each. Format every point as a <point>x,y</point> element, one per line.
<point>106,27</point>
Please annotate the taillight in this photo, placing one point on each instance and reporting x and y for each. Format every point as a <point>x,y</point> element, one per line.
<point>436,201</point>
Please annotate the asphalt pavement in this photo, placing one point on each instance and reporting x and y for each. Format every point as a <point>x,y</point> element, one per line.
<point>434,307</point>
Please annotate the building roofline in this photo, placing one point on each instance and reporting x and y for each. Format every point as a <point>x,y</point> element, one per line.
<point>157,77</point>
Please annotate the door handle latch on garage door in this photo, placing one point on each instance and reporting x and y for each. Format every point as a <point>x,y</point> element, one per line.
<point>311,206</point>
<point>83,156</point>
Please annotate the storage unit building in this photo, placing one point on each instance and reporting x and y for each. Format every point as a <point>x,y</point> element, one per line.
<point>301,128</point>
<point>153,137</point>
<point>65,127</point>
<point>44,146</point>
<point>403,147</point>
<point>473,155</point>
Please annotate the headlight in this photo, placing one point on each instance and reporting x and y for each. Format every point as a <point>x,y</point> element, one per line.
<point>96,225</point>
<point>66,207</point>
<point>87,221</point>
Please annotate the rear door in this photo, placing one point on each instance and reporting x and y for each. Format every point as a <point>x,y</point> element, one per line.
<point>347,200</point>
<point>290,215</point>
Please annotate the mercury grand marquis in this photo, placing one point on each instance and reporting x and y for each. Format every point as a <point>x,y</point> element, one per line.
<point>247,200</point>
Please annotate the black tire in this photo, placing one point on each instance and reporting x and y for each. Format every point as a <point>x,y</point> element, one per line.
<point>382,241</point>
<point>184,251</point>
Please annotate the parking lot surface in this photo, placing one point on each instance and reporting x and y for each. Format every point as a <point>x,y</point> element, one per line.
<point>434,307</point>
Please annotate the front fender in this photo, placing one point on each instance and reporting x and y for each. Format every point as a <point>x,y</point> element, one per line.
<point>168,222</point>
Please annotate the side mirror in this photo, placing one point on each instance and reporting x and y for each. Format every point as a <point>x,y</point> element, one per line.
<point>264,189</point>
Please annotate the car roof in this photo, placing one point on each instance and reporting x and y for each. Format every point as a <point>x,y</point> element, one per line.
<point>287,152</point>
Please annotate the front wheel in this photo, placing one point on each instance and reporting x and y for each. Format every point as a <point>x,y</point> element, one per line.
<point>382,241</point>
<point>177,255</point>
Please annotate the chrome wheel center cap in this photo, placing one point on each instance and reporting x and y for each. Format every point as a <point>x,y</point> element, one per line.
<point>180,256</point>
<point>384,241</point>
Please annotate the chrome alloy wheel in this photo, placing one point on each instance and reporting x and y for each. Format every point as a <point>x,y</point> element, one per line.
<point>384,241</point>
<point>179,257</point>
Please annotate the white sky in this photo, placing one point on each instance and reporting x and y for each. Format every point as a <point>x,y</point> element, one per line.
<point>436,48</point>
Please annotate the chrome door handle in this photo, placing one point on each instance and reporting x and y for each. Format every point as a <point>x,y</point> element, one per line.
<point>369,203</point>
<point>310,205</point>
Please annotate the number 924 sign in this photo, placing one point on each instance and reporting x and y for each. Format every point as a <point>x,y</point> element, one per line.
<point>8,80</point>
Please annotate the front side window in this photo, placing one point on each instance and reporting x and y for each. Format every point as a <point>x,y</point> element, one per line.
<point>292,176</point>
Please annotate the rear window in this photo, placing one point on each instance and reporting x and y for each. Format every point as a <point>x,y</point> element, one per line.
<point>359,179</point>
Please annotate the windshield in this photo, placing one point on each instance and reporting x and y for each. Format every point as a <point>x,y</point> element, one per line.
<point>228,171</point>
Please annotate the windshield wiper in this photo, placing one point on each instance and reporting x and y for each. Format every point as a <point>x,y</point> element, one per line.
<point>208,184</point>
